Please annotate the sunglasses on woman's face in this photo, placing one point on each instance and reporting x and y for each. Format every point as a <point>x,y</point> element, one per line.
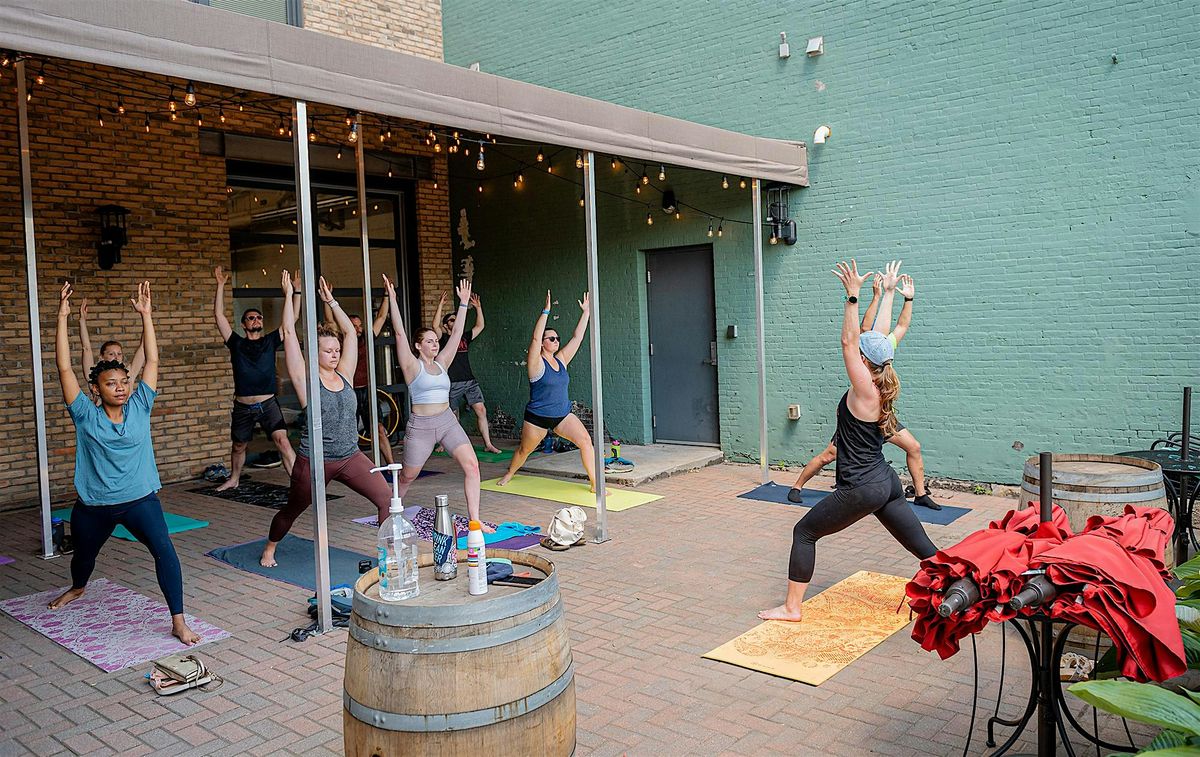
<point>551,338</point>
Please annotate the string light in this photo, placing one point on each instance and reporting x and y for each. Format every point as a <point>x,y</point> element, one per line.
<point>171,100</point>
<point>479,166</point>
<point>579,160</point>
<point>199,119</point>
<point>241,108</point>
<point>649,219</point>
<point>5,60</point>
<point>710,229</point>
<point>435,184</point>
<point>520,177</point>
<point>581,201</point>
<point>721,229</point>
<point>147,124</point>
<point>437,146</point>
<point>390,174</point>
<point>645,178</point>
<point>541,157</point>
<point>282,127</point>
<point>349,118</point>
<point>189,95</point>
<point>339,152</point>
<point>174,116</point>
<point>516,183</point>
<point>637,187</point>
<point>221,114</point>
<point>467,151</point>
<point>41,75</point>
<point>614,163</point>
<point>388,133</point>
<point>724,182</point>
<point>549,168</point>
<point>120,107</point>
<point>100,116</point>
<point>480,189</point>
<point>662,173</point>
<point>678,215</point>
<point>742,183</point>
<point>353,135</point>
<point>312,135</point>
<point>773,239</point>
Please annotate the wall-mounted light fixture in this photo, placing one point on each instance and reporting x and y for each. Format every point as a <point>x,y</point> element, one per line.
<point>783,228</point>
<point>784,50</point>
<point>816,46</point>
<point>821,134</point>
<point>113,235</point>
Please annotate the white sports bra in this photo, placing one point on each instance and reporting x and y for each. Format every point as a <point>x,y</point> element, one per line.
<point>430,388</point>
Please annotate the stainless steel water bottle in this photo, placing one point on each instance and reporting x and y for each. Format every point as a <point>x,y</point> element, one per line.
<point>445,541</point>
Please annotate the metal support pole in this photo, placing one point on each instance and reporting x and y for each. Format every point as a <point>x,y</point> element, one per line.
<point>35,320</point>
<point>1185,443</point>
<point>1046,483</point>
<point>756,199</point>
<point>1047,735</point>
<point>368,313</point>
<point>598,451</point>
<point>304,232</point>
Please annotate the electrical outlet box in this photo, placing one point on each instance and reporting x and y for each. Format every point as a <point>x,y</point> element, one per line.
<point>731,331</point>
<point>793,412</point>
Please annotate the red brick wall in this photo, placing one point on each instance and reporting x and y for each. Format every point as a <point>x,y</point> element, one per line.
<point>178,232</point>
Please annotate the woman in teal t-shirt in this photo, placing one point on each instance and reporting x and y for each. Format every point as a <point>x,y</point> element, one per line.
<point>116,479</point>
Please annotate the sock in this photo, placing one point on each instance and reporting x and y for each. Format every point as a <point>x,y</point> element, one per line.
<point>796,495</point>
<point>926,501</point>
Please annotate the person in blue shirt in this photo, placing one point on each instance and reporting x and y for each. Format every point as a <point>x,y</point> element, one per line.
<point>116,478</point>
<point>549,407</point>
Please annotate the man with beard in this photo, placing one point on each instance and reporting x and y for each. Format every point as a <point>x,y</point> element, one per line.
<point>254,403</point>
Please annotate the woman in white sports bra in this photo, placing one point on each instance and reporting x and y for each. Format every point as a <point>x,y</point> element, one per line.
<point>431,421</point>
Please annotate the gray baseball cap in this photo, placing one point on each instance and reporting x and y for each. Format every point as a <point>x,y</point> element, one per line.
<point>876,347</point>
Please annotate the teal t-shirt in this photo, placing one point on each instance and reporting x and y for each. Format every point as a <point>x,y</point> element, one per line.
<point>114,462</point>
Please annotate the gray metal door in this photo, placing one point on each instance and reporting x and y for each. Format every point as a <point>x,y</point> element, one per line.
<point>681,307</point>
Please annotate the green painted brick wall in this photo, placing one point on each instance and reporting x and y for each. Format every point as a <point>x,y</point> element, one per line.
<point>1045,198</point>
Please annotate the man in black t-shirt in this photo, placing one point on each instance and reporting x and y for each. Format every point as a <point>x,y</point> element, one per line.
<point>462,381</point>
<point>254,403</point>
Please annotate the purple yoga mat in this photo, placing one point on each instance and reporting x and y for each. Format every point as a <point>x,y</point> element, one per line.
<point>110,626</point>
<point>5,560</point>
<point>518,542</point>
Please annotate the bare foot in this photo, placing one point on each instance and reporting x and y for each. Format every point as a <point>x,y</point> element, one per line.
<point>486,528</point>
<point>230,484</point>
<point>592,489</point>
<point>267,560</point>
<point>491,448</point>
<point>783,612</point>
<point>504,479</point>
<point>180,630</point>
<point>66,598</point>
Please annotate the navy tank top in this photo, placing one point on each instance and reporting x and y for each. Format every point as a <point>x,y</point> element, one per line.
<point>859,445</point>
<point>549,395</point>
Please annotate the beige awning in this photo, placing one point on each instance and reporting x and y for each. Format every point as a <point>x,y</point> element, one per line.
<point>190,41</point>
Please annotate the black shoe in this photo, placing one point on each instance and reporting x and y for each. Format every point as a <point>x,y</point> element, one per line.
<point>796,496</point>
<point>926,501</point>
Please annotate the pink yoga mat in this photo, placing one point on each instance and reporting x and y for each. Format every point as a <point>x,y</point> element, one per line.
<point>110,626</point>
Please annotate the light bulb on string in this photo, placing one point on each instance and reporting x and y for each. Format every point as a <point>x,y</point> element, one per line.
<point>353,135</point>
<point>120,107</point>
<point>614,163</point>
<point>389,172</point>
<point>5,59</point>
<point>435,184</point>
<point>516,182</point>
<point>349,118</point>
<point>282,127</point>
<point>100,116</point>
<point>382,136</point>
<point>710,229</point>
<point>437,146</point>
<point>456,136</point>
<point>480,189</point>
<point>549,168</point>
<point>221,114</point>
<point>289,131</point>
<point>174,116</point>
<point>649,219</point>
<point>241,108</point>
<point>645,178</point>
<point>339,152</point>
<point>41,75</point>
<point>637,187</point>
<point>742,183</point>
<point>388,133</point>
<point>541,156</point>
<point>147,124</point>
<point>662,173</point>
<point>189,95</point>
<point>479,165</point>
<point>312,135</point>
<point>199,118</point>
<point>579,160</point>
<point>774,239</point>
<point>724,182</point>
<point>171,104</point>
<point>581,201</point>
<point>721,229</point>
<point>678,215</point>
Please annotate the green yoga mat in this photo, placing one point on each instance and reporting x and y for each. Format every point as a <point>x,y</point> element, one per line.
<point>484,456</point>
<point>175,523</point>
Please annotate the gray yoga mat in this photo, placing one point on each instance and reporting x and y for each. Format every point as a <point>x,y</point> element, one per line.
<point>297,564</point>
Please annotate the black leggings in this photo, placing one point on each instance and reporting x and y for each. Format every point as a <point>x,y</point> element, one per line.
<point>844,508</point>
<point>91,525</point>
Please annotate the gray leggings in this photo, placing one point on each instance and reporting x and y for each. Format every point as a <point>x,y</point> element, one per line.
<point>845,507</point>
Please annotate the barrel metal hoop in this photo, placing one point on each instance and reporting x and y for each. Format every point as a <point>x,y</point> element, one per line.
<point>402,614</point>
<point>458,721</point>
<point>1120,498</point>
<point>460,644</point>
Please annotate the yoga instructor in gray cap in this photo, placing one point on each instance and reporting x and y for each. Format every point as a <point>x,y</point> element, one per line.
<point>866,483</point>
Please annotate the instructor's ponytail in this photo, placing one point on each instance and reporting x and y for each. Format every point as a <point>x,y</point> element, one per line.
<point>888,384</point>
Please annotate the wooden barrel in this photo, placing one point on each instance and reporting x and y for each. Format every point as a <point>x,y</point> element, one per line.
<point>449,673</point>
<point>1087,485</point>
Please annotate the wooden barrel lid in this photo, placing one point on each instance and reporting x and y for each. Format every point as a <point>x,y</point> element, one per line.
<point>1099,471</point>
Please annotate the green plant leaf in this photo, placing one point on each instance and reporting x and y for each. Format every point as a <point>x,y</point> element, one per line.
<point>1191,647</point>
<point>1178,751</point>
<point>1143,702</point>
<point>1188,617</point>
<point>1188,590</point>
<point>1165,739</point>
<point>1189,570</point>
<point>1192,695</point>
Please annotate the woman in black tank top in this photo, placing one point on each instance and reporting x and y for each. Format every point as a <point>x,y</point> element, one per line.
<point>866,484</point>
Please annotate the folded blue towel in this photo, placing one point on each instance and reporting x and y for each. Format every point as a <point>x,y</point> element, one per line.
<point>503,531</point>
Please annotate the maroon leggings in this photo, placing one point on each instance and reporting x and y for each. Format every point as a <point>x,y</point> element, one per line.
<point>354,471</point>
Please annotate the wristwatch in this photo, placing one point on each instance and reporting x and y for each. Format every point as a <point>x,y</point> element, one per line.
<point>908,299</point>
<point>852,300</point>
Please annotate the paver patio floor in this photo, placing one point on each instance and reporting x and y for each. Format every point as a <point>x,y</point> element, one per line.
<point>679,577</point>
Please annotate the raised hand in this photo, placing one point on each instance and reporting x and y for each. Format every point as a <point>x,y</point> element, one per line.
<point>285,283</point>
<point>905,287</point>
<point>442,300</point>
<point>142,303</point>
<point>474,300</point>
<point>891,275</point>
<point>850,277</point>
<point>464,291</point>
<point>325,291</point>
<point>876,283</point>
<point>221,277</point>
<point>585,302</point>
<point>64,299</point>
<point>391,288</point>
<point>83,313</point>
<point>547,308</point>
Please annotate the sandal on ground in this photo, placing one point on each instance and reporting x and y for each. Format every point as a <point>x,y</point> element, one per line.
<point>581,543</point>
<point>550,544</point>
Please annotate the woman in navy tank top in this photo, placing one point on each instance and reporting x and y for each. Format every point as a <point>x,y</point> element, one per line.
<point>866,483</point>
<point>549,407</point>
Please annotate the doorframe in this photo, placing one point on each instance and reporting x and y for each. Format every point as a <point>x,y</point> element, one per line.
<point>644,326</point>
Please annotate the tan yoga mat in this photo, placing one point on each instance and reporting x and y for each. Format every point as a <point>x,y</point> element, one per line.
<point>569,492</point>
<point>840,624</point>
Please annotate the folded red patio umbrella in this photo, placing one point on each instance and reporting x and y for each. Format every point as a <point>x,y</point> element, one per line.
<point>1145,531</point>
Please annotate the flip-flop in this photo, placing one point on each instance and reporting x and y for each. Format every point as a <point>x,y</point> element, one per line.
<point>551,545</point>
<point>581,543</point>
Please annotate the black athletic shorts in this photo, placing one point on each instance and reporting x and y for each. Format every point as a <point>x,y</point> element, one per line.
<point>543,421</point>
<point>265,414</point>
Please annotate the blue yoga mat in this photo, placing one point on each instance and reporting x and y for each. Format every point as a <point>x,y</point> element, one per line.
<point>503,531</point>
<point>777,493</point>
<point>297,565</point>
<point>175,523</point>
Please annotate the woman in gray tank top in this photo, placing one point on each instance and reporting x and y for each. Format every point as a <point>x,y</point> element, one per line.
<point>337,358</point>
